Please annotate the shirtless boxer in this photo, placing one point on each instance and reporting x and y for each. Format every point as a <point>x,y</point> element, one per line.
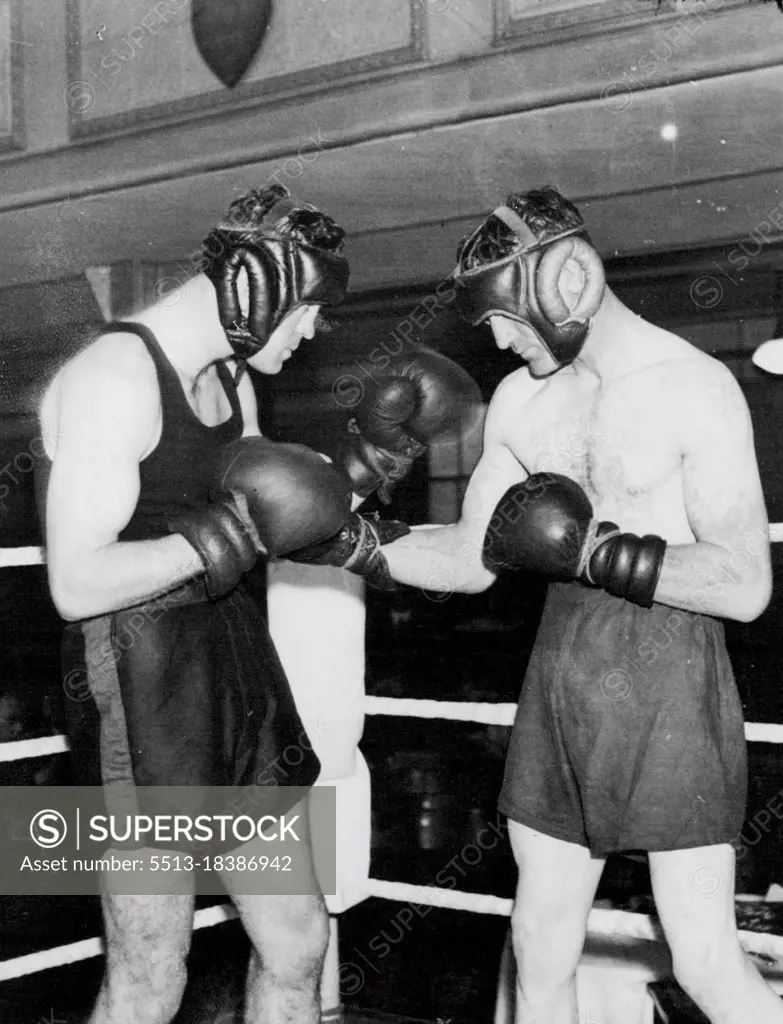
<point>629,733</point>
<point>196,696</point>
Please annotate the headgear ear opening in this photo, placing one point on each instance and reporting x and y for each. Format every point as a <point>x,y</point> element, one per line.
<point>523,284</point>
<point>283,273</point>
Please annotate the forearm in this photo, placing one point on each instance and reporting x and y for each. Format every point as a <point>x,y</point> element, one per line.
<point>441,559</point>
<point>120,575</point>
<point>710,579</point>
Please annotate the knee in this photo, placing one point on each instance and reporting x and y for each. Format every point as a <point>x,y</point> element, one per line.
<point>144,992</point>
<point>151,996</point>
<point>546,950</point>
<point>162,1006</point>
<point>301,944</point>
<point>692,975</point>
<point>700,967</point>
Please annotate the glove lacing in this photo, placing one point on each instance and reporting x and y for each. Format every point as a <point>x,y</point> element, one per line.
<point>592,543</point>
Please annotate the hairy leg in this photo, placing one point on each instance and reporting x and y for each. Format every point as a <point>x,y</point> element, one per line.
<point>147,941</point>
<point>289,935</point>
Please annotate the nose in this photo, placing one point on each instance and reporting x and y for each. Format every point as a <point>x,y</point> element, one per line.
<point>501,333</point>
<point>307,323</point>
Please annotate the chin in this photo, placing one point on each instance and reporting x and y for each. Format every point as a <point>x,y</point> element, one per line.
<point>540,372</point>
<point>268,362</point>
<point>267,368</point>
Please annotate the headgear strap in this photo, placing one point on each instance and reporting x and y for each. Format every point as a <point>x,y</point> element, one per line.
<point>512,220</point>
<point>525,233</point>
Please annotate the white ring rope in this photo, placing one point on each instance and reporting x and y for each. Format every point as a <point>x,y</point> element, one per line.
<point>503,714</point>
<point>21,556</point>
<point>453,710</point>
<point>35,555</point>
<point>73,952</point>
<point>41,746</point>
<point>608,923</point>
<point>408,707</point>
<point>601,922</point>
<point>763,732</point>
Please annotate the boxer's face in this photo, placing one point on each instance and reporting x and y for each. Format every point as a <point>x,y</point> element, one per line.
<point>285,339</point>
<point>523,340</point>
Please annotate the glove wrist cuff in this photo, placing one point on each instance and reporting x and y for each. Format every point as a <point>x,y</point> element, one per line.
<point>629,566</point>
<point>367,546</point>
<point>221,539</point>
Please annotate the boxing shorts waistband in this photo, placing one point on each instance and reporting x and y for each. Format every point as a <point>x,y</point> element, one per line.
<point>577,594</point>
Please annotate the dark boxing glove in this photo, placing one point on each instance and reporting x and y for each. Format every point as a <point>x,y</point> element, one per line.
<point>293,496</point>
<point>223,540</point>
<point>545,524</point>
<point>300,506</point>
<point>405,406</point>
<point>357,548</point>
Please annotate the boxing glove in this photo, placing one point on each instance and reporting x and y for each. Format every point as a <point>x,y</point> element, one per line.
<point>300,506</point>
<point>545,524</point>
<point>416,399</point>
<point>357,548</point>
<point>292,495</point>
<point>224,541</point>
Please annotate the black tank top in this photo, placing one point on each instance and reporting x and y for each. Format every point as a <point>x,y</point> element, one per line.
<point>175,477</point>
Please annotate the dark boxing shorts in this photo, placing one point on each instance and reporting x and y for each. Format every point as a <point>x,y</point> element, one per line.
<point>182,691</point>
<point>629,732</point>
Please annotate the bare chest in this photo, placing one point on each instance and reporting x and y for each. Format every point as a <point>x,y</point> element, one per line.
<point>616,442</point>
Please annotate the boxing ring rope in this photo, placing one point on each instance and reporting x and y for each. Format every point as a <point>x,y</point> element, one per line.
<point>400,707</point>
<point>10,557</point>
<point>601,922</point>
<point>86,949</point>
<point>503,714</point>
<point>41,746</point>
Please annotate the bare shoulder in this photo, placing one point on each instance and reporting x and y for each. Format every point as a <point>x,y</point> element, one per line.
<point>697,383</point>
<point>110,383</point>
<point>509,398</point>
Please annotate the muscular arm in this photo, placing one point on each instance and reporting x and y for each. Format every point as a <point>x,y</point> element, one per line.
<point>726,572</point>
<point>448,558</point>
<point>107,413</point>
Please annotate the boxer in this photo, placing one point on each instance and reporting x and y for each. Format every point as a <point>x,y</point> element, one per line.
<point>160,497</point>
<point>618,462</point>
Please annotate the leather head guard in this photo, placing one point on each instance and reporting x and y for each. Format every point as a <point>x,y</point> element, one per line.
<point>283,273</point>
<point>522,285</point>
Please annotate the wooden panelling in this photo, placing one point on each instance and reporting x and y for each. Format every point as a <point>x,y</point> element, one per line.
<point>134,63</point>
<point>407,158</point>
<point>419,98</point>
<point>11,66</point>
<point>533,23</point>
<point>406,199</point>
